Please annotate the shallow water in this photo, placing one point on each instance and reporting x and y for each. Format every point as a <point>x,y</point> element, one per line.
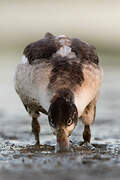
<point>19,159</point>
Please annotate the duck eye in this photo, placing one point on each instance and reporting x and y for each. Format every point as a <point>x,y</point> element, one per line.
<point>69,122</point>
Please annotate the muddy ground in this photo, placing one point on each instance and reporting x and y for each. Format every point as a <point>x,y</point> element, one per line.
<point>20,159</point>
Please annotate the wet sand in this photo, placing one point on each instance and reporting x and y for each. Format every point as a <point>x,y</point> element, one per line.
<point>20,159</point>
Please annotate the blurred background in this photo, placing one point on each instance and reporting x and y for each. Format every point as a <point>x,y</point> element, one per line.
<point>94,21</point>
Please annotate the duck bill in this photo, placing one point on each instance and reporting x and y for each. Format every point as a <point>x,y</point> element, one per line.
<point>62,143</point>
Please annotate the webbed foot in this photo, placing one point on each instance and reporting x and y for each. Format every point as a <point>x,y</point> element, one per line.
<point>87,145</point>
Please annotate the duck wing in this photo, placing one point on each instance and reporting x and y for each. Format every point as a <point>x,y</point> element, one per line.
<point>40,49</point>
<point>84,51</point>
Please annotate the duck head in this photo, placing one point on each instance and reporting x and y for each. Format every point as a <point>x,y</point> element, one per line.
<point>63,117</point>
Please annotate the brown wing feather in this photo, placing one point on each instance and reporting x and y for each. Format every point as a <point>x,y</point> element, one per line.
<point>43,48</point>
<point>84,51</point>
<point>47,46</point>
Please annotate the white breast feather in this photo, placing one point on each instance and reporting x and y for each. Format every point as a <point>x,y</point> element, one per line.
<point>27,86</point>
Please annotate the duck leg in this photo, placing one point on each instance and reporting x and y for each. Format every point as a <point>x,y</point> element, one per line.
<point>36,129</point>
<point>88,118</point>
<point>87,137</point>
<point>87,133</point>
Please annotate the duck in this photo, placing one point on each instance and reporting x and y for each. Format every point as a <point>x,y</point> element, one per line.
<point>60,77</point>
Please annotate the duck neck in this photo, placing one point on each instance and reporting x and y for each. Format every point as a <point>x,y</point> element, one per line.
<point>63,93</point>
